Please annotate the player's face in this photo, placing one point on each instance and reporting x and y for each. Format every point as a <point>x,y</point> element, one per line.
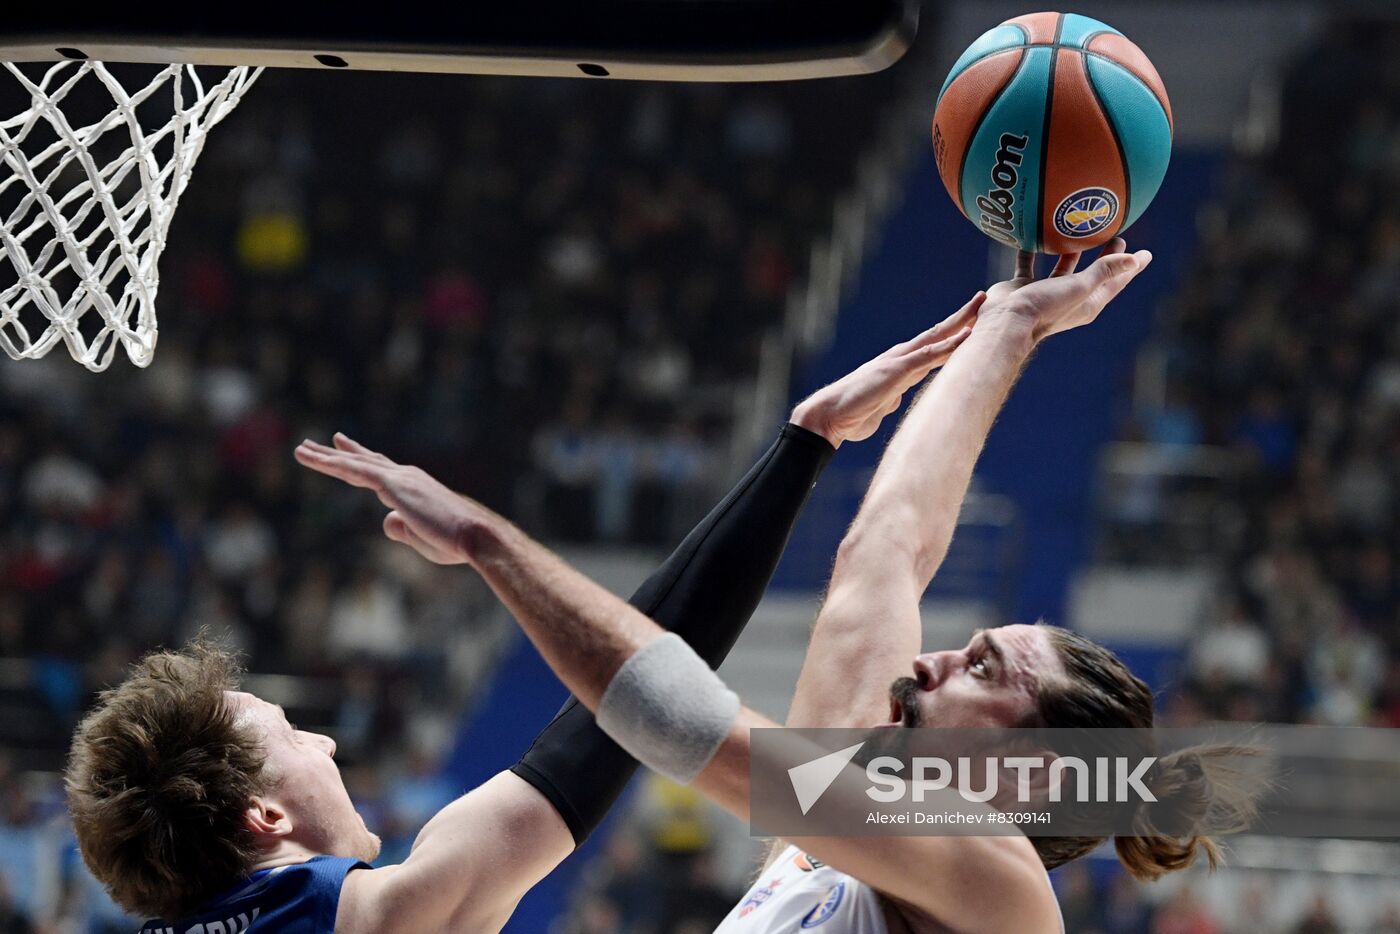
<point>990,682</point>
<point>306,783</point>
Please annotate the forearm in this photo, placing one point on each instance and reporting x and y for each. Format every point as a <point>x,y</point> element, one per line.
<point>708,588</point>
<point>869,626</point>
<point>705,592</point>
<point>583,632</point>
<point>912,505</point>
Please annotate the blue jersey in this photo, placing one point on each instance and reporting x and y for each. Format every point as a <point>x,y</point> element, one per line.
<point>298,899</point>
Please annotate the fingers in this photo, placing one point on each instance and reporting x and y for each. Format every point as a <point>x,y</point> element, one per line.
<point>917,364</point>
<point>1068,262</point>
<point>962,318</point>
<point>344,442</point>
<point>355,469</point>
<point>929,356</point>
<point>397,529</point>
<point>1066,265</point>
<point>345,454</point>
<point>965,315</point>
<point>332,463</point>
<point>1025,264</point>
<point>1111,265</point>
<point>1115,272</point>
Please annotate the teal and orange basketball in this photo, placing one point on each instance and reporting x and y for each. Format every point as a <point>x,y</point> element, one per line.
<point>1052,132</point>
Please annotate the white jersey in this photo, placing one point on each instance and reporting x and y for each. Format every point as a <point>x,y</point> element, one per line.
<point>800,892</point>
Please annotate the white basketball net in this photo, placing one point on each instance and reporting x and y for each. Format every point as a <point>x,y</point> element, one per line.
<point>85,237</point>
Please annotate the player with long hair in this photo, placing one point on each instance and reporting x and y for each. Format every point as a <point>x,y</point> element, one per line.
<point>864,667</point>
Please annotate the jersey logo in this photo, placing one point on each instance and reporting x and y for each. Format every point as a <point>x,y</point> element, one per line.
<point>825,911</point>
<point>807,863</point>
<point>1086,212</point>
<point>758,896</point>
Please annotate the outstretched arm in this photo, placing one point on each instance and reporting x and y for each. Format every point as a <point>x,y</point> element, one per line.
<point>586,634</point>
<point>869,627</point>
<point>708,588</point>
<point>705,592</point>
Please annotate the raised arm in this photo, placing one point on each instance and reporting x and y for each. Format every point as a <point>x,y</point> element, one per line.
<point>587,635</point>
<point>460,875</point>
<point>708,588</point>
<point>869,627</point>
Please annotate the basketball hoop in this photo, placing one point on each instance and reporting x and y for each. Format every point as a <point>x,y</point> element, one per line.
<point>84,209</point>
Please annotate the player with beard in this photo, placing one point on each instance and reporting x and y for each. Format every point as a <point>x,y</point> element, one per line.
<point>200,804</point>
<point>661,702</point>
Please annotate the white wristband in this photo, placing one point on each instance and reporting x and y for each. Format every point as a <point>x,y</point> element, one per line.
<point>668,709</point>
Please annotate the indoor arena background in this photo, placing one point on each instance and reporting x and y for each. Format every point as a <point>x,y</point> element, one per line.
<point>589,303</point>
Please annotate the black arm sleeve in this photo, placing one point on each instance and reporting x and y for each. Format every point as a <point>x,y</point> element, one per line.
<point>705,592</point>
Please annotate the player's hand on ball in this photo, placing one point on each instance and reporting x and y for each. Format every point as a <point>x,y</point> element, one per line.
<point>424,514</point>
<point>851,408</point>
<point>1065,299</point>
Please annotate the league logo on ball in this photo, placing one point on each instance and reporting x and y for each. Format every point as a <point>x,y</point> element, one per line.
<point>1086,212</point>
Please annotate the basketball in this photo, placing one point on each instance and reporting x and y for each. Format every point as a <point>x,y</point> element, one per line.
<point>1052,132</point>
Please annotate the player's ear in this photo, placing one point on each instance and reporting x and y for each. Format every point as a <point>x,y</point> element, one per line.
<point>265,819</point>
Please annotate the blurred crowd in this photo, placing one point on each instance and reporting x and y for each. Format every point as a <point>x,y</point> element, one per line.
<point>1283,348</point>
<point>549,293</point>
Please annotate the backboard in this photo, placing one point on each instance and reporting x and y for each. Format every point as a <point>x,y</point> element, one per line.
<point>686,40</point>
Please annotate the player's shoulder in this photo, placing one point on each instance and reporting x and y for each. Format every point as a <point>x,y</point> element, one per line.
<point>390,900</point>
<point>365,901</point>
<point>297,898</point>
<point>306,896</point>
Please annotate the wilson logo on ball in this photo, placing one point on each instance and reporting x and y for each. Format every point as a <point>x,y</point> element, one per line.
<point>1086,212</point>
<point>998,206</point>
<point>1098,131</point>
